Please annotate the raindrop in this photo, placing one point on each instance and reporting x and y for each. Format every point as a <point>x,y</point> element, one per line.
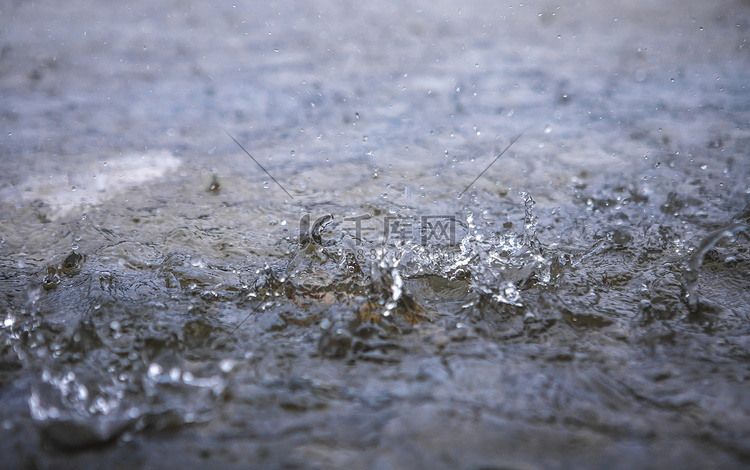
<point>548,129</point>
<point>226,365</point>
<point>154,370</point>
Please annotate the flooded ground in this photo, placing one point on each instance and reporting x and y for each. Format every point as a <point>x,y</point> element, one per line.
<point>369,301</point>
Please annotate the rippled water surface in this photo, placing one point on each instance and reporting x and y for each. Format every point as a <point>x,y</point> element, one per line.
<point>358,302</point>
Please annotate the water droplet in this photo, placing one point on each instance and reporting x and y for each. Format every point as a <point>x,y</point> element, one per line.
<point>292,152</point>
<point>226,365</point>
<point>548,129</point>
<point>266,185</point>
<point>154,370</point>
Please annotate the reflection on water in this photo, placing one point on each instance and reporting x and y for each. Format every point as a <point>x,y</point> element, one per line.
<point>583,302</point>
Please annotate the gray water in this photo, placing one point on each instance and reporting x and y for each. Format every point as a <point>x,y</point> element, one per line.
<point>166,302</point>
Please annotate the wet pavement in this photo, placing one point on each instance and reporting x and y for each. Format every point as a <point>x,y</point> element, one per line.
<point>377,285</point>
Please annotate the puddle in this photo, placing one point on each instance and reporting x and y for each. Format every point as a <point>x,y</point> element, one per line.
<point>374,287</point>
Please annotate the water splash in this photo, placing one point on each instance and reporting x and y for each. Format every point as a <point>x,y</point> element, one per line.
<point>696,260</point>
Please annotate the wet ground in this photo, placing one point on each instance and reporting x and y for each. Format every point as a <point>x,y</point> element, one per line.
<point>365,300</point>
